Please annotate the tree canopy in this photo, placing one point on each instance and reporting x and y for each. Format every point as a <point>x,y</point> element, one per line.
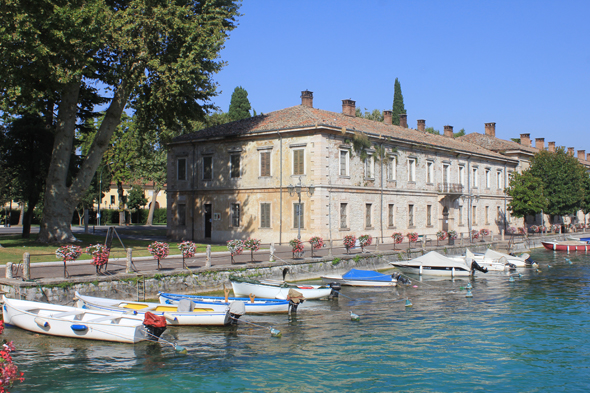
<point>156,58</point>
<point>239,106</point>
<point>398,103</point>
<point>527,195</point>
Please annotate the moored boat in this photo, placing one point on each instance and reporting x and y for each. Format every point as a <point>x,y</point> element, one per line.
<point>278,290</point>
<point>253,306</point>
<point>65,321</point>
<point>183,313</point>
<point>363,278</point>
<point>568,245</point>
<point>435,264</point>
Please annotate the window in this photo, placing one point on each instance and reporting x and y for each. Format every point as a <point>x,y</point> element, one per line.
<point>499,180</point>
<point>182,215</point>
<point>460,215</point>
<point>411,169</point>
<point>208,168</point>
<point>445,173</point>
<point>488,180</point>
<point>343,217</point>
<point>474,183</point>
<point>499,213</point>
<point>429,172</point>
<point>235,215</point>
<point>462,175</point>
<point>391,215</point>
<point>265,163</point>
<point>391,168</point>
<point>234,162</point>
<point>429,215</point>
<point>474,215</point>
<point>298,221</point>
<point>344,156</point>
<point>410,216</point>
<point>369,167</point>
<point>265,215</point>
<point>368,208</point>
<point>112,199</point>
<point>487,216</point>
<point>181,169</point>
<point>299,162</point>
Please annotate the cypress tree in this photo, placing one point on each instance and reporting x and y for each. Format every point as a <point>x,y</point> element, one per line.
<point>239,106</point>
<point>398,103</point>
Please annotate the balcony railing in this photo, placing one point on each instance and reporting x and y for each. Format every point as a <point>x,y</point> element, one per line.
<point>450,188</point>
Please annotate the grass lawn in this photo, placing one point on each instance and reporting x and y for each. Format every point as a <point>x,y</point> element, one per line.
<point>13,247</point>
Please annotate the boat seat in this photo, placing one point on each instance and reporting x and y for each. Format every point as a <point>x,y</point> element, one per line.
<point>106,318</point>
<point>68,313</point>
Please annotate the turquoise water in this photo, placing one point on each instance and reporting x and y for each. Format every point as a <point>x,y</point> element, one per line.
<point>530,335</point>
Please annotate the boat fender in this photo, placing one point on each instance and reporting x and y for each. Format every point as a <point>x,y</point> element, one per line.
<point>79,328</point>
<point>41,322</point>
<point>336,287</point>
<point>170,317</point>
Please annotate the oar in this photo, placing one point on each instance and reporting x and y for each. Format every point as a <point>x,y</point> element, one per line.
<point>176,347</point>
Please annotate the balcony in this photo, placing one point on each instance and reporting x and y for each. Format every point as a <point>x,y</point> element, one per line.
<point>450,188</point>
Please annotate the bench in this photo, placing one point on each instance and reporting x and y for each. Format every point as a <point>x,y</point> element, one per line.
<point>422,237</point>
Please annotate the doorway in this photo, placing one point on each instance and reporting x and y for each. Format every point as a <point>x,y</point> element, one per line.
<point>445,213</point>
<point>208,220</point>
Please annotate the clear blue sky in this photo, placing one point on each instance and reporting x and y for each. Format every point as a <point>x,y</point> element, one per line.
<point>522,64</point>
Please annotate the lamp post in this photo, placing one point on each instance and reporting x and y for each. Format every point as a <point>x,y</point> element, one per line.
<point>297,189</point>
<point>470,199</point>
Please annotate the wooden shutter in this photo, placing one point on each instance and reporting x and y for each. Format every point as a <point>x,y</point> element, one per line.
<point>265,163</point>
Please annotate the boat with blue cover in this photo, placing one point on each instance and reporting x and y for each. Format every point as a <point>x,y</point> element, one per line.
<point>253,305</point>
<point>363,278</point>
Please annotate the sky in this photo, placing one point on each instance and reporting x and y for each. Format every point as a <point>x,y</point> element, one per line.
<point>521,64</point>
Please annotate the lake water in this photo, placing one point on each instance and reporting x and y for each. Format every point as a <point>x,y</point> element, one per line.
<point>530,335</point>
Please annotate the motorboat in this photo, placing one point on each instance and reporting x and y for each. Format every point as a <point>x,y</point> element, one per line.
<point>253,305</point>
<point>435,264</point>
<point>183,313</point>
<point>363,278</point>
<point>278,290</point>
<point>73,322</point>
<point>567,245</point>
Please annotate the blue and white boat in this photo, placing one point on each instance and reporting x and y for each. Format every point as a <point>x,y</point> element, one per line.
<point>253,305</point>
<point>363,278</point>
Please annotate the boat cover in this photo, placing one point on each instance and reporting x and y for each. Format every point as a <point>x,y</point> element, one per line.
<point>366,275</point>
<point>434,259</point>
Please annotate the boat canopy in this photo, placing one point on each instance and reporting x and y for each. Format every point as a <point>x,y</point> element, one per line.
<point>367,275</point>
<point>434,259</point>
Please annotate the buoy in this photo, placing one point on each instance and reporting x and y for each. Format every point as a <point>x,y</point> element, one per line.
<point>408,303</point>
<point>511,279</point>
<point>519,275</point>
<point>548,266</point>
<point>354,317</point>
<point>415,286</point>
<point>538,270</point>
<point>468,285</point>
<point>469,294</point>
<point>275,332</point>
<point>535,264</point>
<point>79,328</point>
<point>180,349</point>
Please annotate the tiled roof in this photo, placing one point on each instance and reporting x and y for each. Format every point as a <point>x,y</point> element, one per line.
<point>496,144</point>
<point>301,116</point>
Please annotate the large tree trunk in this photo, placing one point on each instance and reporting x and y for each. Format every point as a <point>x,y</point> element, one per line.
<point>22,213</point>
<point>86,220</point>
<point>60,200</point>
<point>150,218</point>
<point>28,218</point>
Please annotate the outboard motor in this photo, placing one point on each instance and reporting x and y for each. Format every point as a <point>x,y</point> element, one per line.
<point>475,266</point>
<point>295,298</point>
<point>401,279</point>
<point>511,266</point>
<point>529,261</point>
<point>336,287</point>
<point>154,326</point>
<point>236,310</point>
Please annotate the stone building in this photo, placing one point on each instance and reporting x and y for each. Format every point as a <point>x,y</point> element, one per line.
<point>238,180</point>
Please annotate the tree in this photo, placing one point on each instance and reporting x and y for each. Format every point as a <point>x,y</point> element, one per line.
<point>239,106</point>
<point>398,103</point>
<point>431,130</point>
<point>136,200</point>
<point>460,133</point>
<point>156,58</point>
<point>376,115</point>
<point>562,177</point>
<point>527,195</point>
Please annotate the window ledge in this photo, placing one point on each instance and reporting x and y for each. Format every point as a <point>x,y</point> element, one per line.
<point>344,229</point>
<point>344,176</point>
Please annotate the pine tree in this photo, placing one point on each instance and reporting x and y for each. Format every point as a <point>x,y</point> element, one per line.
<point>239,107</point>
<point>398,103</point>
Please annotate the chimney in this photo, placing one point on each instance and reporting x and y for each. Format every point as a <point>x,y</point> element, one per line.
<point>588,157</point>
<point>540,143</point>
<point>570,151</point>
<point>490,129</point>
<point>448,131</point>
<point>387,117</point>
<point>582,155</point>
<point>525,139</point>
<point>421,125</point>
<point>348,107</point>
<point>403,120</point>
<point>551,147</point>
<point>307,98</point>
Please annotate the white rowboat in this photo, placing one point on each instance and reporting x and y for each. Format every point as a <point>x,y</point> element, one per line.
<point>73,322</point>
<point>362,278</point>
<point>435,264</point>
<point>279,291</point>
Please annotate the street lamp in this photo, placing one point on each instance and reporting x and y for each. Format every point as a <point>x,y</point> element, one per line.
<point>297,189</point>
<point>470,199</point>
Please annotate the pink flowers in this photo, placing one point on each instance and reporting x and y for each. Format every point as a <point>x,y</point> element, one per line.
<point>364,241</point>
<point>316,242</point>
<point>8,370</point>
<point>412,237</point>
<point>452,235</point>
<point>100,254</point>
<point>187,248</point>
<point>252,244</point>
<point>159,250</point>
<point>484,232</point>
<point>296,246</point>
<point>474,233</point>
<point>441,235</point>
<point>349,242</point>
<point>68,253</point>
<point>235,247</point>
